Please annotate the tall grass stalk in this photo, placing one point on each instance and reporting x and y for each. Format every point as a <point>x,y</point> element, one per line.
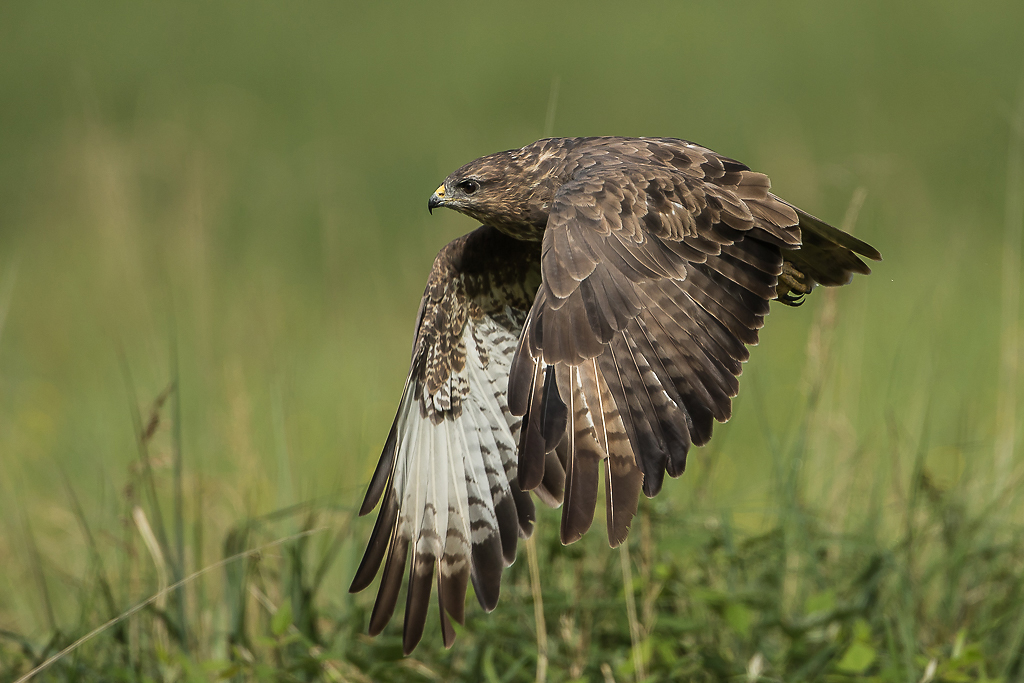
<point>1010,350</point>
<point>635,631</point>
<point>10,277</point>
<point>95,556</point>
<point>39,572</point>
<point>538,609</point>
<point>159,563</point>
<point>178,564</point>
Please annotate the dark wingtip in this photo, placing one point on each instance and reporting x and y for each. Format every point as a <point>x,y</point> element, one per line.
<point>526,514</point>
<point>376,547</point>
<point>451,593</point>
<point>622,497</point>
<point>652,484</point>
<point>390,583</point>
<point>381,473</point>
<point>618,535</point>
<point>447,631</point>
<point>508,525</point>
<point>486,575</point>
<point>421,576</point>
<point>581,482</point>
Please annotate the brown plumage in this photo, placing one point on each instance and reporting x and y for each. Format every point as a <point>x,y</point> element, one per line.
<point>593,328</point>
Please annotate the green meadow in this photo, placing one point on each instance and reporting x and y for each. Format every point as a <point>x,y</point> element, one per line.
<point>213,241</point>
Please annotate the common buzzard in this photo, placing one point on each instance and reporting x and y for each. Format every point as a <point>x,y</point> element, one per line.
<point>593,327</point>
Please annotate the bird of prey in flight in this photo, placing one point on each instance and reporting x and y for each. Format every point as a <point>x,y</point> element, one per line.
<point>591,329</point>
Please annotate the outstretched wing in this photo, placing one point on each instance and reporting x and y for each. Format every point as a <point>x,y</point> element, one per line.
<point>447,475</point>
<point>658,261</point>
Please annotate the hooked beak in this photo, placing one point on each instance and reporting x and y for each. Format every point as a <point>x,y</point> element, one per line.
<point>436,199</point>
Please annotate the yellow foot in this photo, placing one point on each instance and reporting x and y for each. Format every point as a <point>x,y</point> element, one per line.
<point>792,285</point>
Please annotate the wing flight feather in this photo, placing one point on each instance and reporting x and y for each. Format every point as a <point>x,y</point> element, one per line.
<point>448,474</point>
<point>659,259</point>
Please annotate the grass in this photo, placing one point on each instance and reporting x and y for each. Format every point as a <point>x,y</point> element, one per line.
<point>212,244</point>
<point>707,601</point>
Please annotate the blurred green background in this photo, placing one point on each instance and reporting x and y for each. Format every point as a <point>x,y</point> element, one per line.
<point>240,188</point>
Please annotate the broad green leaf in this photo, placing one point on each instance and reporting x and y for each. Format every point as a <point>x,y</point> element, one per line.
<point>859,656</point>
<point>958,644</point>
<point>862,630</point>
<point>282,618</point>
<point>820,602</point>
<point>739,617</point>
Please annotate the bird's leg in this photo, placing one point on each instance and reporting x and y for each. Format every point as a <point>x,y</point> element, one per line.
<point>792,285</point>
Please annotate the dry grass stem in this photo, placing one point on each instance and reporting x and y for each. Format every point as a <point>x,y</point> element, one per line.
<point>153,546</point>
<point>635,631</point>
<point>538,609</point>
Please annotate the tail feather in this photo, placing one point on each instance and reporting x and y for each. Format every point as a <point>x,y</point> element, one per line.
<point>811,225</point>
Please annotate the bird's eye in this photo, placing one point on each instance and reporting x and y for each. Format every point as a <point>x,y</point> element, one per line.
<point>469,186</point>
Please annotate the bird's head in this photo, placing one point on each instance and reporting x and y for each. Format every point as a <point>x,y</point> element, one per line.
<point>497,190</point>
